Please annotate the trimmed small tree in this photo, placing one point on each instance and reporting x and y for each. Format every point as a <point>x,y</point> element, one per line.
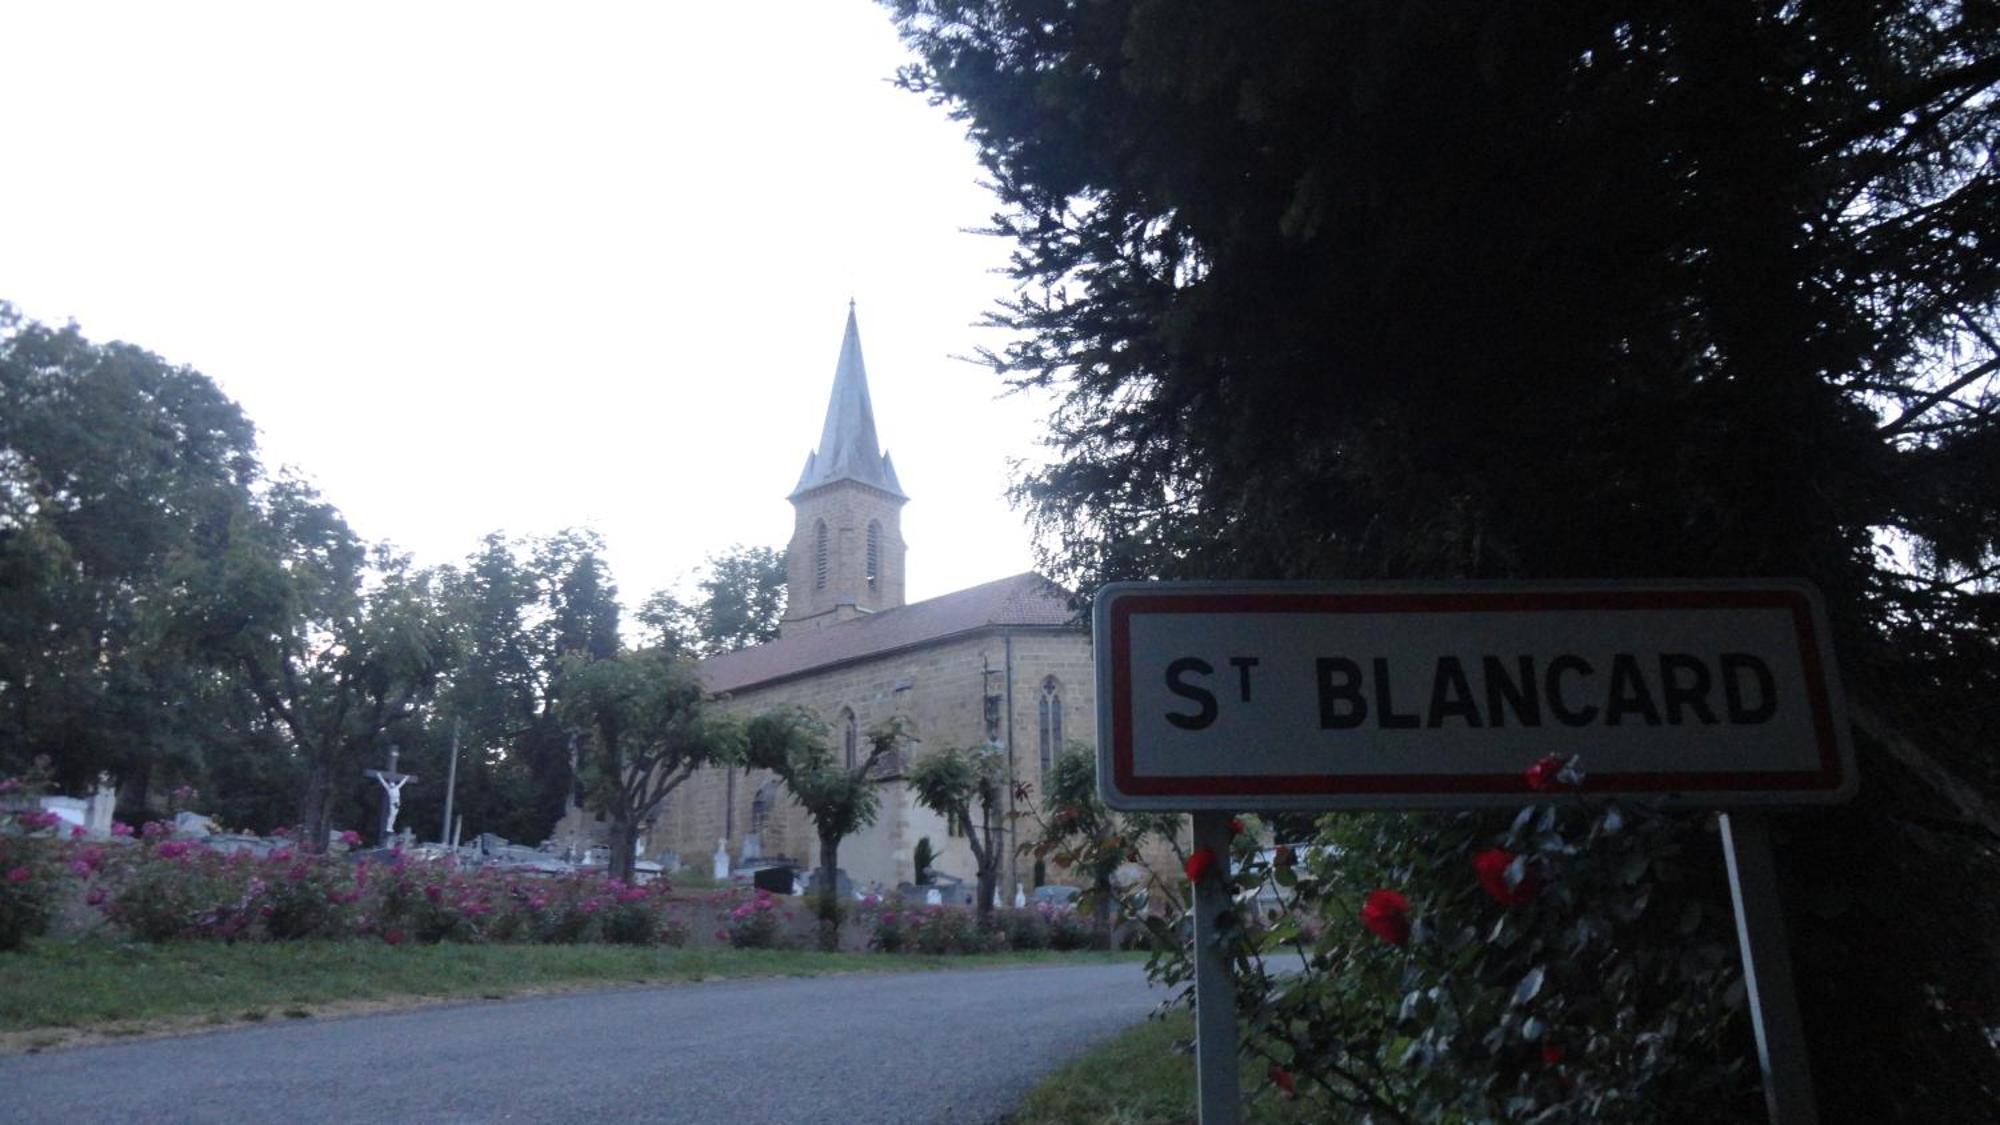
<point>645,730</point>
<point>1082,835</point>
<point>951,781</point>
<point>841,799</point>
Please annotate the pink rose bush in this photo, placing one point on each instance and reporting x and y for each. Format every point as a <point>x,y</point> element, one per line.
<point>31,863</point>
<point>759,923</point>
<point>164,889</point>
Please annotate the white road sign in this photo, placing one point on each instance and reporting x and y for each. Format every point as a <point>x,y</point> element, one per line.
<point>1266,695</point>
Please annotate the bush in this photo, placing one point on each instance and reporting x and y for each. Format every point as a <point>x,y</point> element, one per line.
<point>308,904</point>
<point>892,931</point>
<point>758,923</point>
<point>1578,963</point>
<point>177,890</point>
<point>637,916</point>
<point>1069,931</point>
<point>939,930</point>
<point>1026,927</point>
<point>168,889</point>
<point>28,875</point>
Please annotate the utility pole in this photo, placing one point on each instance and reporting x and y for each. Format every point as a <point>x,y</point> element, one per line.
<point>451,784</point>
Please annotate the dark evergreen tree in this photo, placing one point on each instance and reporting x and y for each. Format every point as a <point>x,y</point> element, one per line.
<point>1552,291</point>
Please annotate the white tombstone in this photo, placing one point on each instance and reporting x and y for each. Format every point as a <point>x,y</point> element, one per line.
<point>933,898</point>
<point>721,860</point>
<point>1020,897</point>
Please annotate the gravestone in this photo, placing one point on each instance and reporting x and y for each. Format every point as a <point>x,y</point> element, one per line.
<point>777,880</point>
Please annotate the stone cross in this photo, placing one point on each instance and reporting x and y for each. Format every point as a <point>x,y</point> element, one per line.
<point>392,794</point>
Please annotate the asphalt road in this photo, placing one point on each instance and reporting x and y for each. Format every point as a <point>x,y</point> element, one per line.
<point>957,1046</point>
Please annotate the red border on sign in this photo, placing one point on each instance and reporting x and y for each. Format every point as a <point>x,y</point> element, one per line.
<point>1827,778</point>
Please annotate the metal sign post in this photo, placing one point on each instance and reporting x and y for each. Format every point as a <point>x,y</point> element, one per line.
<point>1214,982</point>
<point>1767,968</point>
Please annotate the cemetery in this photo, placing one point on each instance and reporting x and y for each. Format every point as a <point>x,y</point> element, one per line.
<point>67,876</point>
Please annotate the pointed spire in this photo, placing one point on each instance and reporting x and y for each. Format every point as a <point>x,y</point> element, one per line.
<point>848,449</point>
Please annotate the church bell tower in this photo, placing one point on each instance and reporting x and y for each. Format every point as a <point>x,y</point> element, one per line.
<point>846,554</point>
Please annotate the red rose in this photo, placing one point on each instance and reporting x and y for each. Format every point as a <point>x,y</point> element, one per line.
<point>1282,1079</point>
<point>1236,826</point>
<point>393,937</point>
<point>1551,772</point>
<point>1386,914</point>
<point>1492,865</point>
<point>1199,863</point>
<point>1552,1055</point>
<point>1283,857</point>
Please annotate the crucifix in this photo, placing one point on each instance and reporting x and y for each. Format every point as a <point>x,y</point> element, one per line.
<point>392,793</point>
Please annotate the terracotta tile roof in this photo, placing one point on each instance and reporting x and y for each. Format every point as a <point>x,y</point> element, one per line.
<point>1025,600</point>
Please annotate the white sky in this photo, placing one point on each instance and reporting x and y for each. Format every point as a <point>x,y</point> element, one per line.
<point>487,266</point>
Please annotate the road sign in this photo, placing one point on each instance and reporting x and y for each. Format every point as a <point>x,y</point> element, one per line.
<point>1287,696</point>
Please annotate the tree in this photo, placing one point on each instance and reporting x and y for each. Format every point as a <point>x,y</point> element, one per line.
<point>339,648</point>
<point>841,799</point>
<point>742,601</point>
<point>116,467</point>
<point>1081,834</point>
<point>519,612</point>
<point>646,730</point>
<point>1374,291</point>
<point>951,781</point>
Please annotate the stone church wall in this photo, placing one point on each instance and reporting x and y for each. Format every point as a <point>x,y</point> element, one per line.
<point>942,688</point>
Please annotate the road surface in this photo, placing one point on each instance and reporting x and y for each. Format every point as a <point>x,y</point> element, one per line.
<point>951,1046</point>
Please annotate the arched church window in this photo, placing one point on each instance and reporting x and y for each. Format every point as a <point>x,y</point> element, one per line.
<point>850,737</point>
<point>874,554</point>
<point>1049,712</point>
<point>819,554</point>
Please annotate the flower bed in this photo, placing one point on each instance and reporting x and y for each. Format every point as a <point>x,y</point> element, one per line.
<point>148,886</point>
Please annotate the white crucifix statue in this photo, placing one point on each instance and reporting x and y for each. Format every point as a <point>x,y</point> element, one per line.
<point>392,794</point>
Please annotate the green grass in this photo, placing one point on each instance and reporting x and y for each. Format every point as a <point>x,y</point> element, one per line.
<point>1145,1076</point>
<point>108,988</point>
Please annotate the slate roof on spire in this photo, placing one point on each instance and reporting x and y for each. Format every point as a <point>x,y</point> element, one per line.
<point>848,449</point>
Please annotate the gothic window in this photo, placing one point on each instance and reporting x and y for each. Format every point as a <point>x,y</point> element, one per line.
<point>850,737</point>
<point>874,554</point>
<point>819,554</point>
<point>1049,712</point>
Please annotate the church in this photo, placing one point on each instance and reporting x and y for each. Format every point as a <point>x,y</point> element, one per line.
<point>1006,663</point>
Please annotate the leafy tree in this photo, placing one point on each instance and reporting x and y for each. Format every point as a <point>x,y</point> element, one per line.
<point>741,602</point>
<point>339,649</point>
<point>115,468</point>
<point>951,781</point>
<point>1079,833</point>
<point>1520,290</point>
<point>646,730</point>
<point>841,799</point>
<point>492,699</point>
<point>518,611</point>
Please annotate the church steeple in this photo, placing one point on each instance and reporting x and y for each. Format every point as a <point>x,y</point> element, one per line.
<point>848,448</point>
<point>846,554</point>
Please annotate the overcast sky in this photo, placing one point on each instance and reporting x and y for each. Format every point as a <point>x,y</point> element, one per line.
<point>485,266</point>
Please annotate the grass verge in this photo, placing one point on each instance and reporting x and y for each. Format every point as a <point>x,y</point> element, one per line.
<point>65,992</point>
<point>1145,1076</point>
